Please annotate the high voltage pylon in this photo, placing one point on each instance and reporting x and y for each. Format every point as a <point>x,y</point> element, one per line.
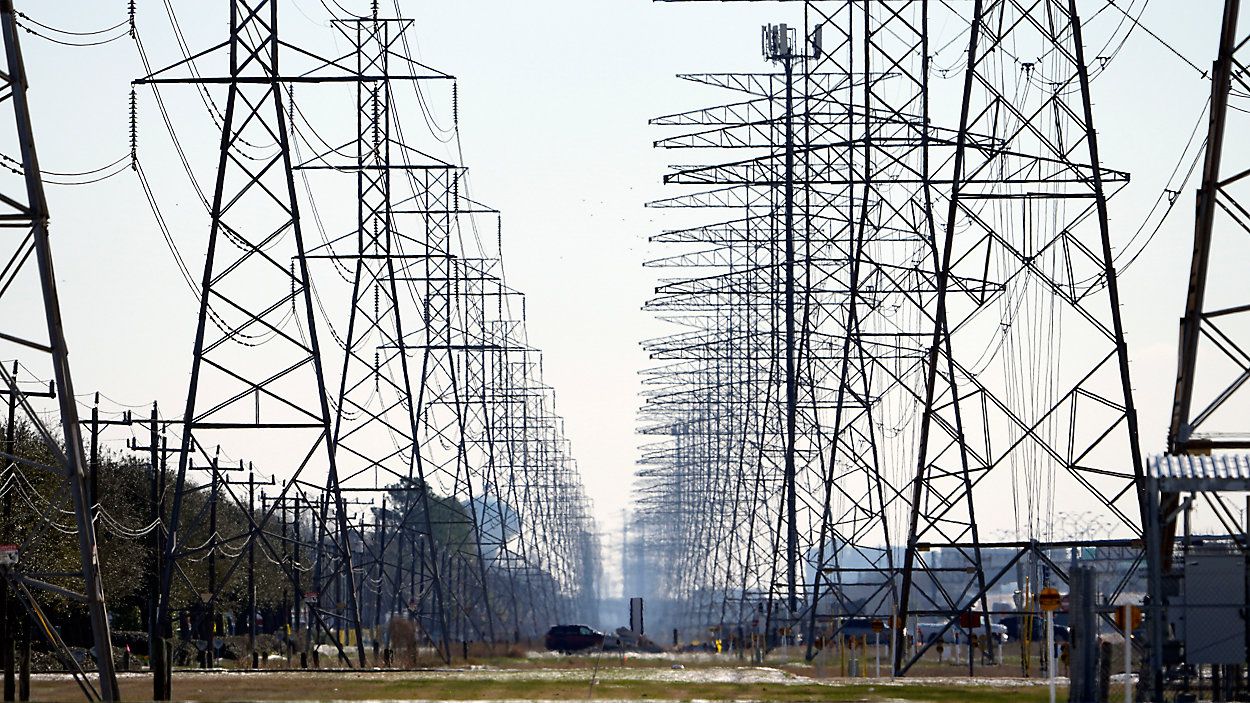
<point>1213,364</point>
<point>893,157</point>
<point>822,285</point>
<point>373,406</point>
<point>871,346</point>
<point>1213,327</point>
<point>440,413</point>
<point>38,563</point>
<point>753,367</point>
<point>253,372</point>
<point>1027,226</point>
<point>875,327</point>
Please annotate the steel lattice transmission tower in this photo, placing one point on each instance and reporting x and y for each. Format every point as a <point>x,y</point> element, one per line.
<point>1205,415</point>
<point>933,309</point>
<point>1026,260</point>
<point>895,166</point>
<point>440,409</point>
<point>744,368</point>
<point>1209,402</point>
<point>257,369</point>
<point>374,419</point>
<point>815,305</point>
<point>33,570</point>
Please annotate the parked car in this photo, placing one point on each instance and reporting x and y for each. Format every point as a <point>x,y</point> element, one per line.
<point>567,639</point>
<point>861,629</point>
<point>955,634</point>
<point>1035,628</point>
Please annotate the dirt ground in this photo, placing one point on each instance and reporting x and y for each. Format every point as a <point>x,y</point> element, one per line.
<point>603,678</point>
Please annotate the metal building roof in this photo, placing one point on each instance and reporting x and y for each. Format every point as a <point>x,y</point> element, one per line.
<point>1220,472</point>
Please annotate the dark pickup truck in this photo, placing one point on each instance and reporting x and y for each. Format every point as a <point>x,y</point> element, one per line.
<point>567,639</point>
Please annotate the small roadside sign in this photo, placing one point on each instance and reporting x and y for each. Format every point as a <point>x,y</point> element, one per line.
<point>1135,619</point>
<point>878,626</point>
<point>1049,599</point>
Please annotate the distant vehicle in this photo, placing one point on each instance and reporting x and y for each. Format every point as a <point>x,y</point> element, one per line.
<point>567,639</point>
<point>929,631</point>
<point>1035,628</point>
<point>861,628</point>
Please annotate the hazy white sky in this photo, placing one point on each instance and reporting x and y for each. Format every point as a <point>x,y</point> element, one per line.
<point>554,101</point>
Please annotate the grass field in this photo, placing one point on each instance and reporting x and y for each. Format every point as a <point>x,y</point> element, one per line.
<point>562,680</point>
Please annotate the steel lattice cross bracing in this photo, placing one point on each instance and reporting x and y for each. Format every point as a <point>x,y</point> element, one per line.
<point>412,471</point>
<point>872,317</point>
<point>51,552</point>
<point>405,460</point>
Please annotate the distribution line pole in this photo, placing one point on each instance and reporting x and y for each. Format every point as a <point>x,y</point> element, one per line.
<point>1050,651</point>
<point>156,644</point>
<point>251,565</point>
<point>211,630</point>
<point>877,646</point>
<point>287,604</point>
<point>1128,653</point>
<point>93,462</point>
<point>377,601</point>
<point>299,599</point>
<point>8,614</point>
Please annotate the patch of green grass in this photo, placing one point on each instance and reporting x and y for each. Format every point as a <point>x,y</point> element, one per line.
<point>467,690</point>
<point>962,694</point>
